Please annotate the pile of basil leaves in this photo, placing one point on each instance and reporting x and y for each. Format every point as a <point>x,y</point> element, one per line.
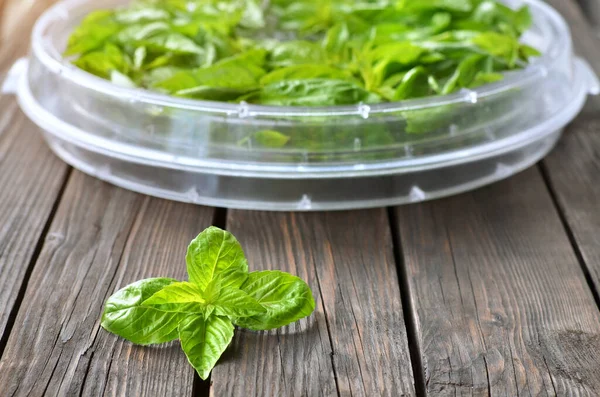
<point>303,52</point>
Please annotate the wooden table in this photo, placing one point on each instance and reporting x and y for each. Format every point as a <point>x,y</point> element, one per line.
<point>493,292</point>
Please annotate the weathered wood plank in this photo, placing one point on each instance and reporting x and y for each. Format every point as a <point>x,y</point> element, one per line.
<point>102,238</point>
<point>30,182</point>
<point>591,8</point>
<point>297,360</point>
<point>573,168</point>
<point>31,177</point>
<point>156,248</point>
<point>501,304</point>
<point>347,259</point>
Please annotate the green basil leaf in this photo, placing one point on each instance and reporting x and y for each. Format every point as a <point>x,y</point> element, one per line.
<point>497,44</point>
<point>308,71</point>
<point>286,298</point>
<point>141,13</point>
<point>527,52</point>
<point>266,138</point>
<point>485,78</point>
<point>93,32</point>
<point>233,302</point>
<point>154,77</point>
<point>296,52</point>
<point>313,92</point>
<point>212,93</point>
<point>213,290</point>
<point>255,57</point>
<point>125,316</point>
<point>103,63</point>
<point>450,5</point>
<point>253,15</point>
<point>181,297</point>
<point>388,59</point>
<point>204,341</point>
<point>173,42</point>
<point>214,254</point>
<point>139,32</point>
<point>337,38</point>
<point>139,57</point>
<point>465,73</point>
<point>121,79</point>
<point>493,13</point>
<point>424,121</point>
<point>414,84</point>
<point>228,79</point>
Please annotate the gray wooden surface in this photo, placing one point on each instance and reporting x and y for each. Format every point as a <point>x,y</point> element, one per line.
<point>493,292</point>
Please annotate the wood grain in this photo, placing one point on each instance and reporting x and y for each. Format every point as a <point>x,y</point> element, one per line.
<point>573,168</point>
<point>30,182</point>
<point>591,10</point>
<point>292,361</point>
<point>30,176</point>
<point>155,248</point>
<point>501,304</point>
<point>348,261</point>
<point>102,238</point>
<point>585,41</point>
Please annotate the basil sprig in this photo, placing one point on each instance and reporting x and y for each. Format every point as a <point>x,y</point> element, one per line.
<point>202,312</point>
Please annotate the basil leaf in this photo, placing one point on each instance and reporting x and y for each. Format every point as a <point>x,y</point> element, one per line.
<point>121,79</point>
<point>497,44</point>
<point>266,138</point>
<point>388,59</point>
<point>313,92</point>
<point>141,13</point>
<point>139,57</point>
<point>286,299</point>
<point>125,316</point>
<point>414,84</point>
<point>337,38</point>
<point>295,53</point>
<point>451,5</point>
<point>465,73</point>
<point>138,32</point>
<point>228,79</point>
<point>527,52</point>
<point>253,15</point>
<point>204,341</point>
<point>214,254</point>
<point>93,32</point>
<point>212,93</point>
<point>424,121</point>
<point>175,43</point>
<point>231,302</point>
<point>103,63</point>
<point>182,297</point>
<point>493,13</point>
<point>485,78</point>
<point>308,71</point>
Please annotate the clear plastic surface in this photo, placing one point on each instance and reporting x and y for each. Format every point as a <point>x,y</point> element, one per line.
<point>336,157</point>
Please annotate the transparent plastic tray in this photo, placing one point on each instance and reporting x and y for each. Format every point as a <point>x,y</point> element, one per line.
<point>337,157</point>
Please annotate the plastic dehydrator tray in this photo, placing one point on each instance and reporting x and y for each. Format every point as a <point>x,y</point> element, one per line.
<point>343,156</point>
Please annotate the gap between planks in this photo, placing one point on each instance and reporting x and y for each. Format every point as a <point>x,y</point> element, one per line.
<point>201,387</point>
<point>414,346</point>
<point>569,232</point>
<point>356,342</point>
<point>36,253</point>
<point>570,170</point>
